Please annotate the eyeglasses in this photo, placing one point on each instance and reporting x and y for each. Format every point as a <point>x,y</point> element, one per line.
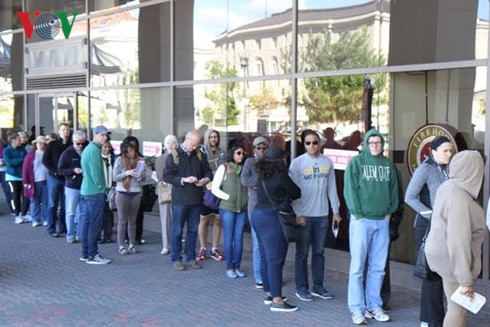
<point>240,153</point>
<point>375,143</point>
<point>79,144</point>
<point>261,148</point>
<point>312,142</point>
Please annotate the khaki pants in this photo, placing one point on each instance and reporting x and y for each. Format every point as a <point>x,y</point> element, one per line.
<point>456,314</point>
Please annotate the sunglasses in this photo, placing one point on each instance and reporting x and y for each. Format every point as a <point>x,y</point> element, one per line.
<point>313,142</point>
<point>261,148</point>
<point>239,153</point>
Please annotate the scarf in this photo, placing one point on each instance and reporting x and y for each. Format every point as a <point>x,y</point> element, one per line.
<point>107,170</point>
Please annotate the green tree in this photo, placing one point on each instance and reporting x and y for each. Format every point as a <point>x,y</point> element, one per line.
<point>339,98</point>
<point>221,105</point>
<point>263,100</point>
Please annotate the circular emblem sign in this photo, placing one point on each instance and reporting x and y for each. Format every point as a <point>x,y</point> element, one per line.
<point>419,145</point>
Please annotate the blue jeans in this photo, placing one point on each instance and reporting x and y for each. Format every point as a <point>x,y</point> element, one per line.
<point>72,201</point>
<point>233,224</point>
<point>252,201</point>
<point>368,239</point>
<point>273,248</point>
<point>183,214</point>
<point>56,196</point>
<point>313,234</point>
<point>91,215</point>
<point>39,203</point>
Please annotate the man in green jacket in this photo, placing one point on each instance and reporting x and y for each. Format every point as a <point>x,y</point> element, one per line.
<point>371,194</point>
<point>93,197</point>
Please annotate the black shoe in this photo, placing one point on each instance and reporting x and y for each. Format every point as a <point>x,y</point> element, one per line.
<point>140,242</point>
<point>109,240</point>
<point>268,299</point>
<point>259,285</point>
<point>54,235</point>
<point>283,307</point>
<point>102,241</point>
<point>386,308</point>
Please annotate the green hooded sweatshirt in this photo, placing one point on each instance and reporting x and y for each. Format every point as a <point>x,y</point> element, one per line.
<point>370,183</point>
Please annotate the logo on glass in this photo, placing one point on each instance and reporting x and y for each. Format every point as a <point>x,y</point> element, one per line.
<point>46,25</point>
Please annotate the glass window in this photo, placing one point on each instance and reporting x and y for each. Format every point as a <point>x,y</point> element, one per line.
<point>8,110</point>
<point>234,40</point>
<point>10,20</point>
<point>144,113</point>
<point>114,58</point>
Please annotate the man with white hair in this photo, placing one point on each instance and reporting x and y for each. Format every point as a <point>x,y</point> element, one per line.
<point>69,166</point>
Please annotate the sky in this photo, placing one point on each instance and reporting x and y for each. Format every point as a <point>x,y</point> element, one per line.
<point>212,17</point>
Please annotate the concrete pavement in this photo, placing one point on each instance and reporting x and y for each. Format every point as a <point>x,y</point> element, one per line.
<point>43,283</point>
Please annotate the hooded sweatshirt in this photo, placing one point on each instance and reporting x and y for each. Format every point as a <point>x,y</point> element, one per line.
<point>370,183</point>
<point>453,247</point>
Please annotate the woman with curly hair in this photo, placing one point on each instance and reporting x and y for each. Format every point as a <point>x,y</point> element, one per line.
<point>274,183</point>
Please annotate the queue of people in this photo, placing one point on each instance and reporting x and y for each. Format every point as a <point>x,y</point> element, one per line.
<point>253,187</point>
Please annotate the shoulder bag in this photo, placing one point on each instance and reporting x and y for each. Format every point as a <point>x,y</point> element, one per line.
<point>421,267</point>
<point>287,219</point>
<point>164,192</point>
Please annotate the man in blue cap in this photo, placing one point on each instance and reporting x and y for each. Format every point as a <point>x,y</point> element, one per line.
<point>93,197</point>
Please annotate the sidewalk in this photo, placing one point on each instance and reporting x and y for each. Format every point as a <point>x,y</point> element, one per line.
<point>43,283</point>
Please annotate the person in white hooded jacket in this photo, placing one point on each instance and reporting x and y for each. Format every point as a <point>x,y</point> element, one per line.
<point>453,246</point>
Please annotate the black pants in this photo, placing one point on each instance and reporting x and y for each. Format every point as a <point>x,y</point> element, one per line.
<point>432,297</point>
<point>19,202</point>
<point>108,222</point>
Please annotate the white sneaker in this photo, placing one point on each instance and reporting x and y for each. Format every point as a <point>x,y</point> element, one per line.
<point>19,220</point>
<point>36,224</point>
<point>424,324</point>
<point>358,318</point>
<point>164,251</point>
<point>378,314</point>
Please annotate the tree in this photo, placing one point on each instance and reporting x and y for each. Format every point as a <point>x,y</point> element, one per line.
<point>221,104</point>
<point>339,98</point>
<point>263,101</point>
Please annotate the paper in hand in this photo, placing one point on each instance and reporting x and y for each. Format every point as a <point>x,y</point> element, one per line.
<point>473,305</point>
<point>335,228</point>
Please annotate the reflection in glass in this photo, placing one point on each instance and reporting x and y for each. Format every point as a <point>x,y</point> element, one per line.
<point>234,41</point>
<point>114,49</point>
<point>7,105</point>
<point>144,113</point>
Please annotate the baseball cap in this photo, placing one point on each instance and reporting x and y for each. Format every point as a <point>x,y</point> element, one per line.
<point>260,139</point>
<point>101,129</point>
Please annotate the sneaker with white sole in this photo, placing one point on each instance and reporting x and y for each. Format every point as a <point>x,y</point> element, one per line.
<point>283,307</point>
<point>323,294</point>
<point>378,314</point>
<point>98,260</point>
<point>305,296</point>
<point>358,318</point>
<point>268,299</point>
<point>19,220</point>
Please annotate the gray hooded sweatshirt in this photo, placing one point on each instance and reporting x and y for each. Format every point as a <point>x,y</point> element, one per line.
<point>457,230</point>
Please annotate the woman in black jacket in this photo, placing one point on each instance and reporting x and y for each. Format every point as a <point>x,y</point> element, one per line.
<point>272,174</point>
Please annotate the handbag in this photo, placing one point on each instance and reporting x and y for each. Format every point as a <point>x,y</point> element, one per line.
<point>421,268</point>
<point>287,219</point>
<point>111,198</point>
<point>164,192</point>
<point>210,200</point>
